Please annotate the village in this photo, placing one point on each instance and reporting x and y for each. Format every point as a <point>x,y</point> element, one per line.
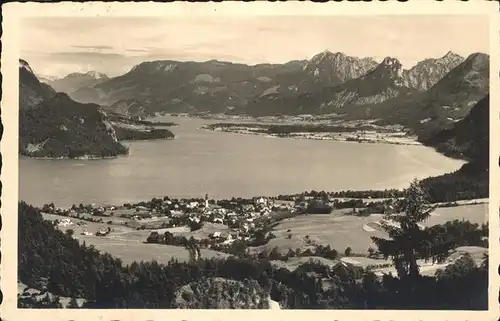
<point>208,223</point>
<point>231,220</point>
<point>287,230</point>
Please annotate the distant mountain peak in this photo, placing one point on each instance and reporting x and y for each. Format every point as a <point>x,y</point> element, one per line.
<point>391,67</point>
<point>96,75</point>
<point>327,55</point>
<point>47,78</point>
<point>451,54</point>
<point>92,74</point>
<point>428,72</point>
<point>389,61</point>
<point>334,68</point>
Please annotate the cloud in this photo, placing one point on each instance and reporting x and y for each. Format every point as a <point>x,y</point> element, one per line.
<point>85,54</point>
<point>137,50</point>
<point>97,47</point>
<point>277,39</point>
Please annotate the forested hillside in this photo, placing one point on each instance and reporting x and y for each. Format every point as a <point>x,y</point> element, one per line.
<point>469,139</point>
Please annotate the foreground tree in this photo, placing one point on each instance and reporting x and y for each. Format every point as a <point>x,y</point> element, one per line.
<point>407,241</point>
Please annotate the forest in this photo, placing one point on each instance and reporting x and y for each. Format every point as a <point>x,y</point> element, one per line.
<point>62,127</point>
<point>123,133</point>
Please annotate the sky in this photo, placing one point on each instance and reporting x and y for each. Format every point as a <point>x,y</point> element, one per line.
<point>57,46</point>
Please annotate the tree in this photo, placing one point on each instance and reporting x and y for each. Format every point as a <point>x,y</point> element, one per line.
<point>194,225</point>
<point>407,241</point>
<point>70,232</point>
<point>347,251</point>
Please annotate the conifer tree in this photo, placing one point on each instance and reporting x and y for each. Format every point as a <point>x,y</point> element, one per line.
<point>407,241</point>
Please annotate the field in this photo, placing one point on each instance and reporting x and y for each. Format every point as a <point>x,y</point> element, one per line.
<point>203,233</point>
<point>127,243</point>
<point>342,231</point>
<point>477,213</point>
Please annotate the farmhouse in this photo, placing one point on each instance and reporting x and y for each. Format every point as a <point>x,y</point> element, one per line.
<point>103,232</point>
<point>65,222</point>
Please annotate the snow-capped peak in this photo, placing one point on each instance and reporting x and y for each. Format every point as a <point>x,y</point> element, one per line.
<point>95,74</point>
<point>47,78</point>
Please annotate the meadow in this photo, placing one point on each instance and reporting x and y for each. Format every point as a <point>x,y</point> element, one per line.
<point>127,243</point>
<point>342,231</point>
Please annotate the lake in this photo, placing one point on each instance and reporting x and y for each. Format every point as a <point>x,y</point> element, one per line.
<point>225,165</point>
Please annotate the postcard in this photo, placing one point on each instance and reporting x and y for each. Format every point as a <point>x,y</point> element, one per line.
<point>234,161</point>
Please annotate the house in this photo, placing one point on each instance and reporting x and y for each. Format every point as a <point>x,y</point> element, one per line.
<point>229,240</point>
<point>194,219</point>
<point>248,208</point>
<point>254,215</point>
<point>216,235</point>
<point>103,232</point>
<point>65,222</point>
<point>176,213</point>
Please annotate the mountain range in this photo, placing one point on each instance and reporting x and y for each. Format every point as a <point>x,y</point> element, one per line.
<point>53,125</point>
<point>217,87</point>
<point>75,81</point>
<point>445,103</point>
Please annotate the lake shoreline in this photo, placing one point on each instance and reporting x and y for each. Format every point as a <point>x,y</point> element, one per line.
<point>86,157</point>
<point>93,157</point>
<point>196,163</point>
<point>339,138</point>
